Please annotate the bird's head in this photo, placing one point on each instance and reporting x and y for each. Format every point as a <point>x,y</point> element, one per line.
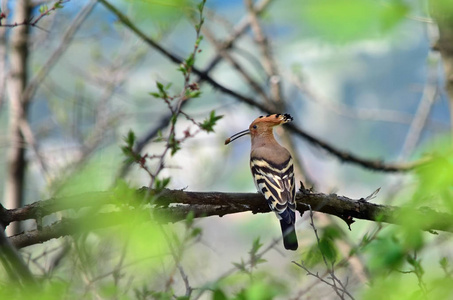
<point>261,125</point>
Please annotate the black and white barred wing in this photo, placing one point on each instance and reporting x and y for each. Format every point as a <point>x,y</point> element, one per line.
<point>276,183</point>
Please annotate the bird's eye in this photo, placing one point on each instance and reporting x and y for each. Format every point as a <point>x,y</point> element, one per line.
<point>254,126</point>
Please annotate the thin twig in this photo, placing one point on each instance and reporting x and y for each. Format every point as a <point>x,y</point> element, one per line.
<point>231,271</point>
<point>235,64</point>
<point>336,289</point>
<point>330,267</point>
<point>31,22</point>
<point>430,94</point>
<point>238,31</point>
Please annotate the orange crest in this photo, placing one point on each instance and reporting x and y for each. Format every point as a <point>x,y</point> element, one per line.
<point>273,120</point>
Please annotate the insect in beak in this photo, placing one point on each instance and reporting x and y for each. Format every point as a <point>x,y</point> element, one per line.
<point>236,136</point>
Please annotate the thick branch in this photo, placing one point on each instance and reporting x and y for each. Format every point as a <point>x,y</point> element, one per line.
<point>220,204</point>
<point>18,111</point>
<point>174,205</point>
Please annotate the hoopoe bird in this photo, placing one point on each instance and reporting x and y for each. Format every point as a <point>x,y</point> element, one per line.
<point>273,172</point>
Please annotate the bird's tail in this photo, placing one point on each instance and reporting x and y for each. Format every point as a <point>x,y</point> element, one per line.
<point>289,235</point>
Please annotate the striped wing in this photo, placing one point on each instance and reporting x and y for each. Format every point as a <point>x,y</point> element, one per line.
<point>276,183</point>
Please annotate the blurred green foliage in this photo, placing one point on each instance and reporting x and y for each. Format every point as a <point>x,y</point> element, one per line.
<point>159,11</point>
<point>342,21</point>
<point>401,256</point>
<point>442,11</point>
<point>435,179</point>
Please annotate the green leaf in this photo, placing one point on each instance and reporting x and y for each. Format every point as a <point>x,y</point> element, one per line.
<point>43,8</point>
<point>162,92</point>
<point>241,266</point>
<point>159,184</point>
<point>159,137</point>
<point>182,69</point>
<point>196,232</point>
<point>189,219</point>
<point>200,38</point>
<point>200,6</point>
<point>173,119</point>
<point>192,94</point>
<point>190,61</point>
<point>443,262</point>
<point>130,138</point>
<point>209,123</point>
<point>174,144</point>
<point>160,86</point>
<point>256,246</point>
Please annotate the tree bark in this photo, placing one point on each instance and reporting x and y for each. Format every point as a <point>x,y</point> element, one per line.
<point>18,107</point>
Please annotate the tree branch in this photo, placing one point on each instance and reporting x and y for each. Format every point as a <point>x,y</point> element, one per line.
<point>174,205</point>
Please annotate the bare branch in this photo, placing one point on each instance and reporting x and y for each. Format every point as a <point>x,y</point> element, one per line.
<point>330,268</point>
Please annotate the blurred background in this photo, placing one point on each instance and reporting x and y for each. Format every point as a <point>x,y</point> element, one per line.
<point>361,76</point>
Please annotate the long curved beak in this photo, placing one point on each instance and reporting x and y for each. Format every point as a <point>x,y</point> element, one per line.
<point>236,136</point>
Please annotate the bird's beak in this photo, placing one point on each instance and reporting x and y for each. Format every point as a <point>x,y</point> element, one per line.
<point>236,136</point>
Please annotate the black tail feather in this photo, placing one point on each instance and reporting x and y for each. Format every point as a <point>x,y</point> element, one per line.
<point>289,235</point>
